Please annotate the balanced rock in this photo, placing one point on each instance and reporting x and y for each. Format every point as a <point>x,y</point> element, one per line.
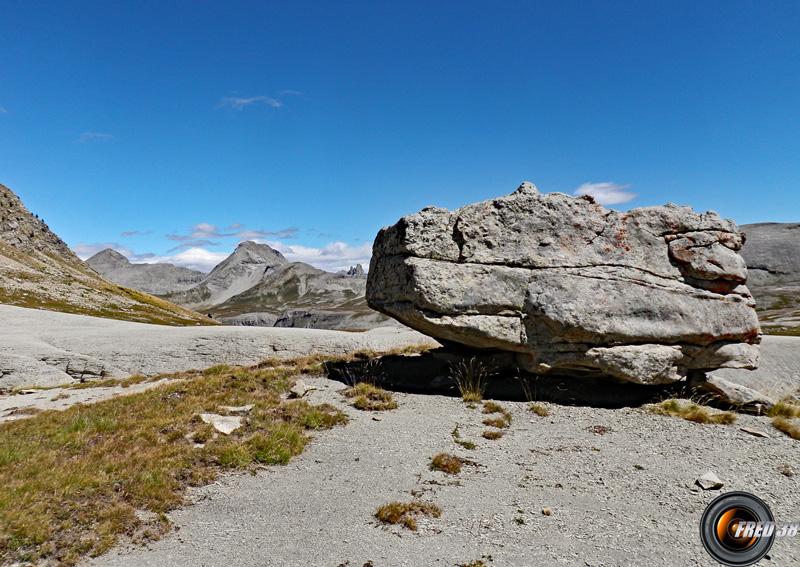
<point>646,296</point>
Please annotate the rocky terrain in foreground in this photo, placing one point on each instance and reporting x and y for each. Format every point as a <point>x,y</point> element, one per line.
<point>619,486</point>
<point>37,269</point>
<point>772,252</point>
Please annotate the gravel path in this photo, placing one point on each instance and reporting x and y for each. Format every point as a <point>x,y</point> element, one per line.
<point>620,496</point>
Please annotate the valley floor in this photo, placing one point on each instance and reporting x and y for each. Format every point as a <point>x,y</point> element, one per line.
<point>619,483</point>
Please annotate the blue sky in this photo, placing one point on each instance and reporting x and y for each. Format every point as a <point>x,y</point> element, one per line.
<point>174,129</point>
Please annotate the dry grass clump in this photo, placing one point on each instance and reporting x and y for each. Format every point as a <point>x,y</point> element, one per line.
<point>370,397</point>
<point>447,463</point>
<point>469,445</point>
<point>72,481</point>
<point>539,410</point>
<point>693,412</point>
<point>790,427</point>
<point>471,377</point>
<point>501,422</point>
<point>787,407</point>
<point>405,513</point>
<point>492,434</point>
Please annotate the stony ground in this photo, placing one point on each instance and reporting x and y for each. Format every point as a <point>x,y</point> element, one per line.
<point>45,348</point>
<point>619,484</point>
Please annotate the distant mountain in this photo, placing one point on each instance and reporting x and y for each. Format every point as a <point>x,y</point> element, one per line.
<point>38,270</point>
<point>300,295</point>
<point>235,274</point>
<point>772,253</point>
<point>158,279</point>
<point>257,285</point>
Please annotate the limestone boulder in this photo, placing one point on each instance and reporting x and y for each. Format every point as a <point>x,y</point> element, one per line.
<point>645,296</point>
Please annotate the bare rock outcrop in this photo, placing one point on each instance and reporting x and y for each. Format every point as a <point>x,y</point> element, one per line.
<point>647,296</point>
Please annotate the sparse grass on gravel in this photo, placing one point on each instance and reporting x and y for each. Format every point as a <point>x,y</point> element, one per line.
<point>492,434</point>
<point>693,412</point>
<point>469,445</point>
<point>539,410</point>
<point>501,422</point>
<point>787,407</point>
<point>471,377</point>
<point>72,481</point>
<point>406,513</point>
<point>369,397</point>
<point>790,427</point>
<point>446,463</point>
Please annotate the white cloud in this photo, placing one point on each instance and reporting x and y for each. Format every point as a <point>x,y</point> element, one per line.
<point>606,193</point>
<point>203,231</point>
<point>194,258</point>
<point>85,251</point>
<point>3,110</point>
<point>239,103</point>
<point>331,257</point>
<point>94,137</point>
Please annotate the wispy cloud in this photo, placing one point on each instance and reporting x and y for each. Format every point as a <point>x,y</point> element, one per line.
<point>94,137</point>
<point>192,244</point>
<point>130,233</point>
<point>84,250</point>
<point>3,110</point>
<point>606,193</point>
<point>239,103</point>
<point>206,231</point>
<point>332,257</point>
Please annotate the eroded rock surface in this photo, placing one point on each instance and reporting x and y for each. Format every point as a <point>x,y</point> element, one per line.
<point>645,296</point>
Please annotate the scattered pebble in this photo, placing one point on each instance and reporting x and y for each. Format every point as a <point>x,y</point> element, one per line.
<point>709,481</point>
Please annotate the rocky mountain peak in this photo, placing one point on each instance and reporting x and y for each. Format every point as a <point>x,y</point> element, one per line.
<point>356,271</point>
<point>108,257</point>
<point>257,253</point>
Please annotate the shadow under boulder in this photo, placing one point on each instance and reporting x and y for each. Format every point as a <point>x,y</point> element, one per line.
<point>439,372</point>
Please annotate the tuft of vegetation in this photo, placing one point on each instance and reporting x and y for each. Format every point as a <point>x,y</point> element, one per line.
<point>471,377</point>
<point>139,453</point>
<point>369,397</point>
<point>693,412</point>
<point>787,407</point>
<point>446,463</point>
<point>492,434</point>
<point>406,513</point>
<point>790,427</point>
<point>469,445</point>
<point>501,422</point>
<point>539,409</point>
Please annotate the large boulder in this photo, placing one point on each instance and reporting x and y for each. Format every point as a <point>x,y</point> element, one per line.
<point>647,296</point>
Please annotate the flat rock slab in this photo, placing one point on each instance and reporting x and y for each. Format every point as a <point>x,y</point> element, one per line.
<point>46,348</point>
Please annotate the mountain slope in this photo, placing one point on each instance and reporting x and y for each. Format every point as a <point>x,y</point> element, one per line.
<point>158,279</point>
<point>235,274</point>
<point>300,295</point>
<point>38,270</point>
<point>772,253</point>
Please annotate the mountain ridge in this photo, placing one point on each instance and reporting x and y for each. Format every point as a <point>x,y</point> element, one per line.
<point>38,270</point>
